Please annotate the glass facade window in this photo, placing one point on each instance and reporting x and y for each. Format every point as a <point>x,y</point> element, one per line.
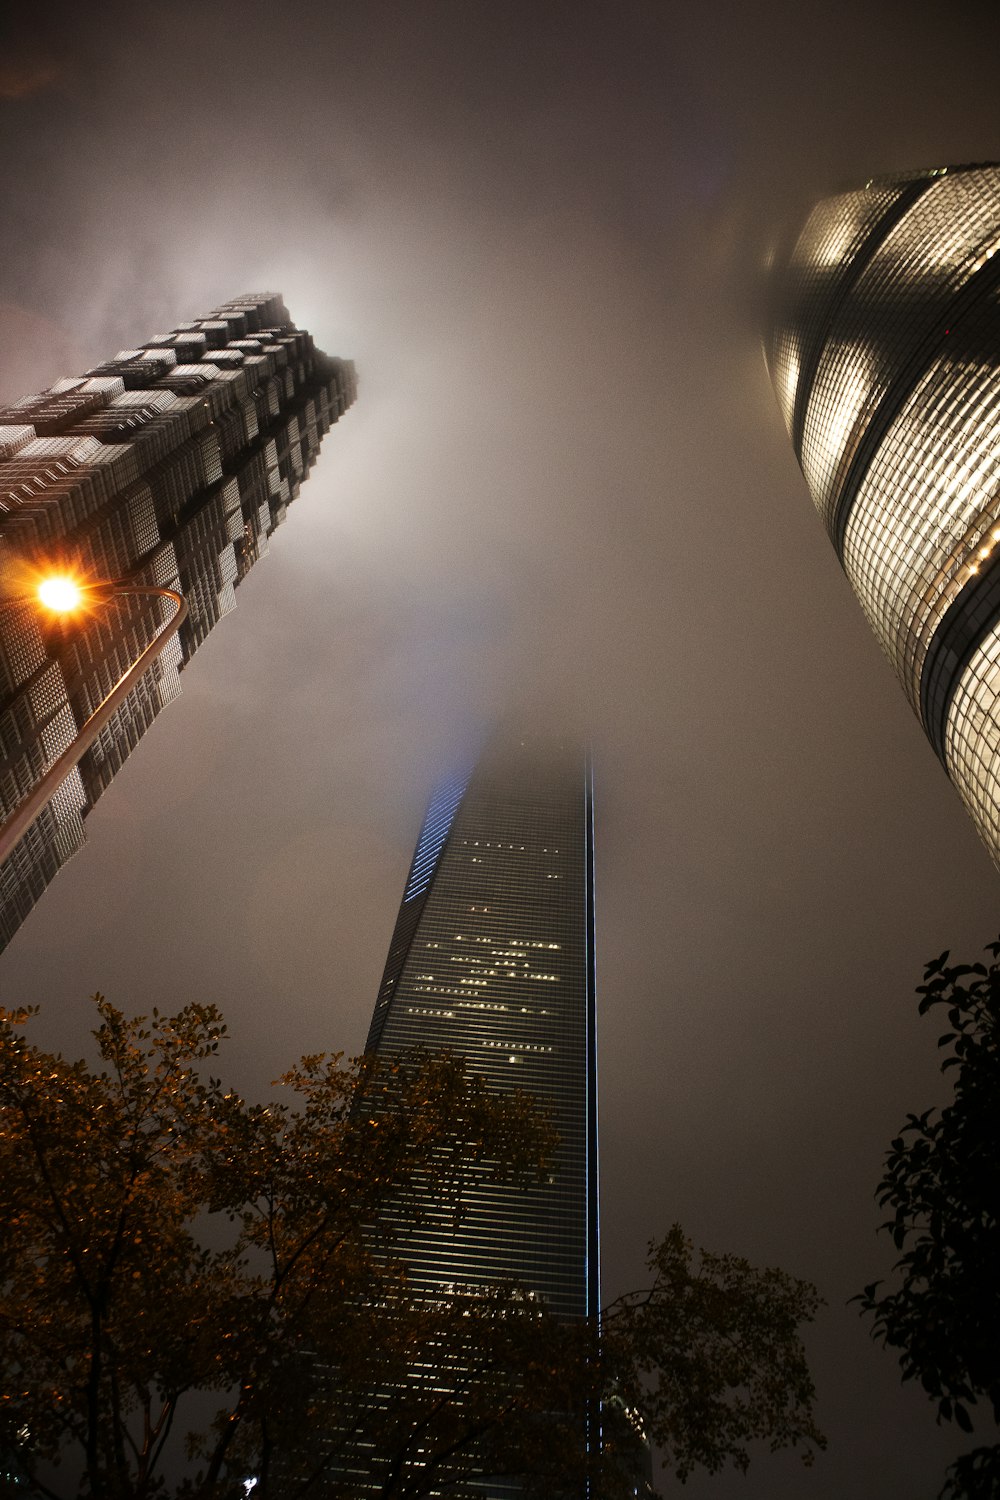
<point>925,509</point>
<point>833,237</point>
<point>896,302</point>
<point>972,743</point>
<point>884,350</point>
<point>493,958</point>
<point>158,467</point>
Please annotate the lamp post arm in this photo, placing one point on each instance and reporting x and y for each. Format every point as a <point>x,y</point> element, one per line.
<point>17,825</point>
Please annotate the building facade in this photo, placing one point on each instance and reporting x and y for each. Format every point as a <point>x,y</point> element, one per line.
<point>492,957</point>
<point>884,351</point>
<point>492,960</point>
<point>169,465</point>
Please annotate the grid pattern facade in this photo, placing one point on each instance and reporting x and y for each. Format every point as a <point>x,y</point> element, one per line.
<point>493,959</point>
<point>834,236</point>
<point>884,350</point>
<point>169,465</point>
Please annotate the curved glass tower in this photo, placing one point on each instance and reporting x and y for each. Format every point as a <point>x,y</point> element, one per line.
<point>884,352</point>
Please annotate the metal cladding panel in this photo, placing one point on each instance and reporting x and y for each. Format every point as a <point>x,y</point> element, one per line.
<point>22,649</point>
<point>37,858</point>
<point>901,407</point>
<point>493,959</point>
<point>14,437</point>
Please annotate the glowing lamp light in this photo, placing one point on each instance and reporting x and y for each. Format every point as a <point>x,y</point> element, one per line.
<point>60,594</point>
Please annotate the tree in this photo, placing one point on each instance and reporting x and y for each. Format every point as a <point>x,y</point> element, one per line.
<point>115,1311</point>
<point>174,1258</point>
<point>941,1310</point>
<point>710,1353</point>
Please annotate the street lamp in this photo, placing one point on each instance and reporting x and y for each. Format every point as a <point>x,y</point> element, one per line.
<point>62,595</point>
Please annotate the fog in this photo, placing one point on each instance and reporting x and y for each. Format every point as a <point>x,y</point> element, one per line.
<point>564,491</point>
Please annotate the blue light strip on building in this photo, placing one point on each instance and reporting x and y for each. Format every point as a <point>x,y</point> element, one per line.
<point>437,825</point>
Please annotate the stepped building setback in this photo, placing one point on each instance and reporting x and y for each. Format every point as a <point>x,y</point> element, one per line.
<point>884,352</point>
<point>169,465</point>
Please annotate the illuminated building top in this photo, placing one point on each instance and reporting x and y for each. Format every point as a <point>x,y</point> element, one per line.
<point>884,352</point>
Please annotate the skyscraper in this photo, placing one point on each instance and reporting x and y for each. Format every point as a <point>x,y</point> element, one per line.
<point>169,465</point>
<point>492,957</point>
<point>492,960</point>
<point>884,352</point>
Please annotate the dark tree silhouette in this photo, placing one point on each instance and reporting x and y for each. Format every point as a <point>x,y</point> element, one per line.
<point>710,1354</point>
<point>941,1310</point>
<point>196,1291</point>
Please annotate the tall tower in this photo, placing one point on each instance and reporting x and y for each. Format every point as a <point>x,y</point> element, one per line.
<point>492,957</point>
<point>169,465</point>
<point>884,352</point>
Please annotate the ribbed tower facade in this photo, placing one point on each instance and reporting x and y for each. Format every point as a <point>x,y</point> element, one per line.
<point>492,957</point>
<point>884,352</point>
<point>169,465</point>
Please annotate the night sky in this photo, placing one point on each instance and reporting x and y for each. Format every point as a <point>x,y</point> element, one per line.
<point>565,492</point>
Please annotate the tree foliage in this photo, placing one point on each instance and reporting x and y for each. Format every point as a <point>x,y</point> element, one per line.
<point>121,1299</point>
<point>196,1291</point>
<point>711,1354</point>
<point>941,1310</point>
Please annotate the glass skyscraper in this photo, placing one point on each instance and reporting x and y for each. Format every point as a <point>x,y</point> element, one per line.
<point>492,960</point>
<point>884,351</point>
<point>169,465</point>
<point>492,957</point>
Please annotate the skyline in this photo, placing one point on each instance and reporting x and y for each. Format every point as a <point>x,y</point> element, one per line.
<point>567,491</point>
